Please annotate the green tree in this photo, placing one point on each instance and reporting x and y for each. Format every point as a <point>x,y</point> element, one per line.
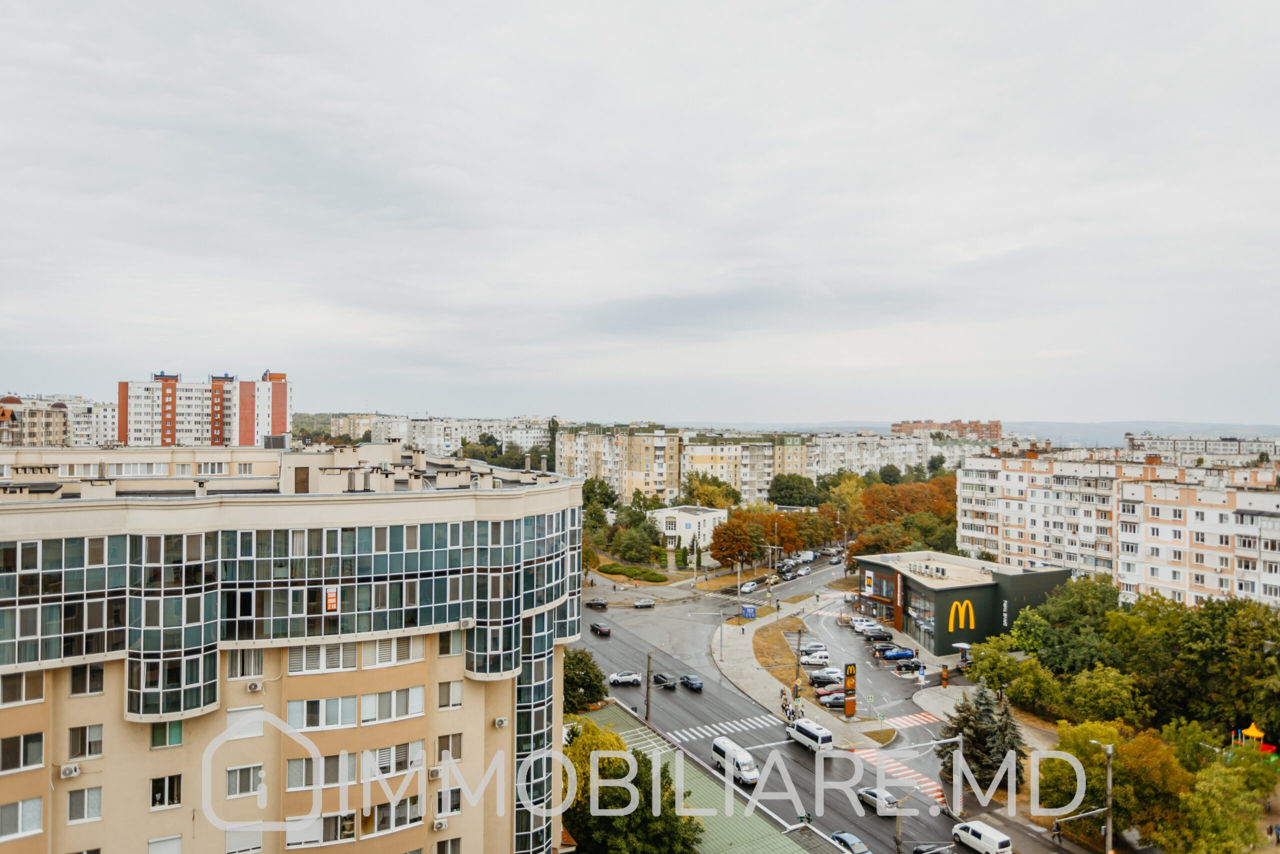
<point>366,437</point>
<point>1073,636</point>
<point>890,475</point>
<point>1192,744</point>
<point>1035,688</point>
<point>994,664</point>
<point>1217,816</point>
<point>985,742</point>
<point>633,545</point>
<point>936,463</point>
<point>1007,738</point>
<point>583,680</point>
<point>596,491</point>
<point>1105,694</point>
<point>794,490</point>
<point>707,490</point>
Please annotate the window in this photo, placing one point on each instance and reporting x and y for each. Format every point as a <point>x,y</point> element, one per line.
<point>243,841</point>
<point>22,687</point>
<point>243,780</point>
<point>167,734</point>
<point>330,828</point>
<point>165,845</point>
<point>166,791</point>
<point>451,694</point>
<point>86,679</point>
<point>322,714</point>
<point>244,663</point>
<point>18,752</point>
<point>244,722</point>
<point>86,742</point>
<point>21,818</point>
<point>301,772</point>
<point>391,705</point>
<point>449,846</point>
<point>395,759</point>
<point>211,468</point>
<point>84,804</point>
<point>391,650</point>
<point>451,643</point>
<point>322,658</point>
<point>244,468</point>
<point>449,801</point>
<point>388,817</point>
<point>451,743</point>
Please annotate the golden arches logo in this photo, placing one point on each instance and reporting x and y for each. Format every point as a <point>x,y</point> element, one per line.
<point>961,608</point>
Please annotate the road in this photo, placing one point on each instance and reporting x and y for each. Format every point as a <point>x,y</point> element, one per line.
<point>682,637</point>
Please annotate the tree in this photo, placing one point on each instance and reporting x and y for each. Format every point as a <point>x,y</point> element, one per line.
<point>794,490</point>
<point>890,475</point>
<point>707,490</point>
<point>1192,744</point>
<point>643,502</point>
<point>590,559</point>
<point>975,716</point>
<point>366,437</point>
<point>936,463</point>
<point>1007,738</point>
<point>633,545</point>
<point>583,680</point>
<point>1106,694</point>
<point>1035,688</point>
<point>731,542</point>
<point>596,491</point>
<point>993,663</point>
<point>1217,816</point>
<point>1073,634</point>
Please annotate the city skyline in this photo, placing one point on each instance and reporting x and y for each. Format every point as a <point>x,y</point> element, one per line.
<point>694,217</point>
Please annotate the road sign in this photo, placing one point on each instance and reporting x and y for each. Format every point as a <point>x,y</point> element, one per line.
<point>748,612</point>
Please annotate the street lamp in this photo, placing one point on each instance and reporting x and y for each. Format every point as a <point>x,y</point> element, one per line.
<point>1108,748</point>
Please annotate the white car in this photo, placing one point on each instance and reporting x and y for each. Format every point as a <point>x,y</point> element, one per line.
<point>750,587</point>
<point>812,646</point>
<point>817,657</point>
<point>804,570</point>
<point>877,799</point>
<point>625,677</point>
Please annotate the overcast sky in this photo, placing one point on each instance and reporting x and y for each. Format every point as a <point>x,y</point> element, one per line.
<point>726,212</point>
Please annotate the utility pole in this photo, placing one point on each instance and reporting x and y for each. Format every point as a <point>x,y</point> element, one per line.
<point>799,635</point>
<point>960,800</point>
<point>1108,848</point>
<point>648,682</point>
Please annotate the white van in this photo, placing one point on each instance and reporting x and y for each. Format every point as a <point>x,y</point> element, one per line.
<point>817,657</point>
<point>812,735</point>
<point>728,753</point>
<point>981,836</point>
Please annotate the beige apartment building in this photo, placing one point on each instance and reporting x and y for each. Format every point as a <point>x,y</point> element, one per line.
<point>34,422</point>
<point>185,647</point>
<point>1184,532</point>
<point>642,457</point>
<point>748,463</point>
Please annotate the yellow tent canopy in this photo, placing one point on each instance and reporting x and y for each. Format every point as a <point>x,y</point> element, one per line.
<point>1252,731</point>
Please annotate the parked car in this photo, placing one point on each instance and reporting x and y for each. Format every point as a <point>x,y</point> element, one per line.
<point>597,604</point>
<point>877,634</point>
<point>877,799</point>
<point>803,570</point>
<point>833,688</point>
<point>909,666</point>
<point>819,657</point>
<point>772,580</point>
<point>786,575</point>
<point>849,842</point>
<point>811,646</point>
<point>693,683</point>
<point>749,587</point>
<point>824,677</point>
<point>625,677</point>
<point>832,701</point>
<point>848,598</point>
<point>601,629</point>
<point>644,603</point>
<point>982,837</point>
<point>787,564</point>
<point>835,561</point>
<point>897,654</point>
<point>883,646</point>
<point>665,681</point>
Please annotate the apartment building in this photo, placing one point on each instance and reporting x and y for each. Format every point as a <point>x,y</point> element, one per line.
<point>165,646</point>
<point>1189,449</point>
<point>988,431</point>
<point>864,452</point>
<point>748,463</point>
<point>353,425</point>
<point>1095,515</point>
<point>34,422</point>
<point>222,410</point>
<point>628,457</point>
<point>445,436</point>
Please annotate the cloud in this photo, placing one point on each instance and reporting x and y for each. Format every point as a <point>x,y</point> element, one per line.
<point>848,211</point>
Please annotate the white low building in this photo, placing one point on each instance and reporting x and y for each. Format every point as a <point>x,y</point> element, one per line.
<point>686,524</point>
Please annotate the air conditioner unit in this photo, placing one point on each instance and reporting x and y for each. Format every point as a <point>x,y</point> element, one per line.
<point>253,687</point>
<point>467,623</point>
<point>440,824</point>
<point>499,722</point>
<point>433,773</point>
<point>69,771</point>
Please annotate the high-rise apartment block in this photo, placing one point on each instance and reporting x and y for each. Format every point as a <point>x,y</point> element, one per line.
<point>445,436</point>
<point>353,425</point>
<point>979,431</point>
<point>863,452</point>
<point>748,463</point>
<point>222,410</point>
<point>1185,532</point>
<point>1219,451</point>
<point>642,457</point>
<point>178,625</point>
<point>56,421</point>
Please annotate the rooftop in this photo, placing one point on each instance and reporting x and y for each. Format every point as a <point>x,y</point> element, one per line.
<point>941,571</point>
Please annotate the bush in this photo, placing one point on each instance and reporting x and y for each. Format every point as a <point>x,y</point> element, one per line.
<point>639,573</point>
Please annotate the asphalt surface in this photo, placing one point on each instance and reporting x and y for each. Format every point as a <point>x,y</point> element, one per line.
<point>682,635</point>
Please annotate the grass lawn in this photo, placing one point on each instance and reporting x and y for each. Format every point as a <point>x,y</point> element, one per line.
<point>848,582</point>
<point>776,656</point>
<point>731,579</point>
<point>761,611</point>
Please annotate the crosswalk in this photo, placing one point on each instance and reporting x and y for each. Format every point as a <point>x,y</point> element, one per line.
<point>713,730</point>
<point>895,769</point>
<point>908,721</point>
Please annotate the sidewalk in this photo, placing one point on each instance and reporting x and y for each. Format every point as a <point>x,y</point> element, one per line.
<point>741,668</point>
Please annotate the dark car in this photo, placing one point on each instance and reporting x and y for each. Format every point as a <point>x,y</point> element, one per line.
<point>877,635</point>
<point>601,629</point>
<point>909,666</point>
<point>598,604</point>
<point>786,575</point>
<point>832,701</point>
<point>820,678</point>
<point>883,646</point>
<point>665,681</point>
<point>693,683</point>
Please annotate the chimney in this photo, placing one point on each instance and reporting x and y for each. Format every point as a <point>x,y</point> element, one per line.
<point>544,463</point>
<point>528,462</point>
<point>351,480</point>
<point>102,469</point>
<point>202,491</point>
<point>368,481</point>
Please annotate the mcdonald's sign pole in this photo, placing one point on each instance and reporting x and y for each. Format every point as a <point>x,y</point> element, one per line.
<point>850,690</point>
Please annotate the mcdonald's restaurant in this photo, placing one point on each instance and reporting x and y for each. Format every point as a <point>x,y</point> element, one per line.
<point>940,600</point>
